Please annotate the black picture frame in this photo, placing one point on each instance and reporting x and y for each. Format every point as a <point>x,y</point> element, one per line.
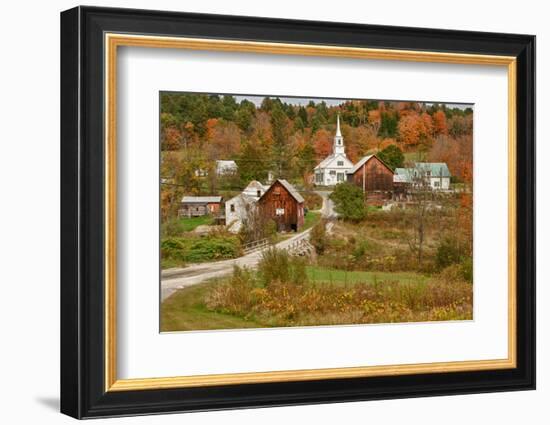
<point>83,392</point>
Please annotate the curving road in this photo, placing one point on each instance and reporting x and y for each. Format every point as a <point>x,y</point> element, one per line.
<point>179,278</point>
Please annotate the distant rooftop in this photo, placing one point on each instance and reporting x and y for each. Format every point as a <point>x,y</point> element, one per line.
<point>201,199</point>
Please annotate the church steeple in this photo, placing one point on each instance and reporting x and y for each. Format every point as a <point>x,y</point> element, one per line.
<point>338,145</point>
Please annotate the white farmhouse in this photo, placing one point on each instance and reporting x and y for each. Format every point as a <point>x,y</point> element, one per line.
<point>435,175</point>
<point>332,170</point>
<point>226,167</point>
<point>237,208</point>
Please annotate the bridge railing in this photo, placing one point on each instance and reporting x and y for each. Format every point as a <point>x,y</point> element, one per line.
<point>255,245</point>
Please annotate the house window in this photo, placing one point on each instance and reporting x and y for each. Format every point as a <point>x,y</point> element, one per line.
<point>436,184</point>
<point>258,193</point>
<point>319,177</point>
<point>332,172</point>
<point>340,163</point>
<point>232,207</point>
<point>428,173</point>
<point>340,177</point>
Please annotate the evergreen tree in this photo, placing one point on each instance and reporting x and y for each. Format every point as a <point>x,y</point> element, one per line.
<point>392,156</point>
<point>349,202</point>
<point>281,154</point>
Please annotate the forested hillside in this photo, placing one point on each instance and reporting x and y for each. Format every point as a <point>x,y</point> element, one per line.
<point>290,139</point>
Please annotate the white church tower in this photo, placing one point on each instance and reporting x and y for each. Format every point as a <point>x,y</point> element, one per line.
<point>332,170</point>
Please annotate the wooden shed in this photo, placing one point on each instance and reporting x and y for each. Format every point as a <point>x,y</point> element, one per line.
<point>196,206</point>
<point>284,205</point>
<point>371,174</point>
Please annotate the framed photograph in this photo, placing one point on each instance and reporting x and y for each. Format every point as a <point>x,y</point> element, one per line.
<point>261,212</point>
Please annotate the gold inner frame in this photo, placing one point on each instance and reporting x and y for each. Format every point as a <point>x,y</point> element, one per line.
<point>113,41</point>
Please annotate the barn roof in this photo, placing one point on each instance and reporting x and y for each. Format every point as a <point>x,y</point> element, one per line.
<point>293,192</point>
<point>436,169</point>
<point>201,199</point>
<point>363,161</point>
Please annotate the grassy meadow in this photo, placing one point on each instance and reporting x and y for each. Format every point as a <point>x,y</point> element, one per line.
<point>363,272</point>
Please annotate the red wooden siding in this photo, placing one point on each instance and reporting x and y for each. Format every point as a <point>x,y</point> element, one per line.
<point>278,198</point>
<point>377,176</point>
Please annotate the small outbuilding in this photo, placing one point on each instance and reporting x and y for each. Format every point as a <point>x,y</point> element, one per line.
<point>196,206</point>
<point>371,174</point>
<point>284,205</point>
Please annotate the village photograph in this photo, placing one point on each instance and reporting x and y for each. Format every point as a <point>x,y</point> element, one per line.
<point>286,211</point>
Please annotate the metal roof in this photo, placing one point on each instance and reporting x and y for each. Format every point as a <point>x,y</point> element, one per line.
<point>201,199</point>
<point>436,169</point>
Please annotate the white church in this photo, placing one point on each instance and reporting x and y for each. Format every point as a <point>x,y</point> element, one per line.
<point>332,170</point>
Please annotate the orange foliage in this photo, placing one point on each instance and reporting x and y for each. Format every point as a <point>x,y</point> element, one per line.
<point>322,142</point>
<point>440,123</point>
<point>387,142</point>
<point>414,130</point>
<point>225,139</point>
<point>171,139</point>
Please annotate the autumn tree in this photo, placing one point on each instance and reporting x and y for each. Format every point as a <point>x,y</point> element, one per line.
<point>440,123</point>
<point>253,162</point>
<point>414,132</point>
<point>322,143</point>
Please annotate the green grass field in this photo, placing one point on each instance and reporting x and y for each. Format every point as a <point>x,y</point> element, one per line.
<point>191,223</point>
<point>311,219</point>
<point>322,274</point>
<point>185,311</point>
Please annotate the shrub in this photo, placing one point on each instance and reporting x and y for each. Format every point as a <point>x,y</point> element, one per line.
<point>173,248</point>
<point>318,237</point>
<point>313,201</point>
<point>349,202</point>
<point>277,265</point>
<point>449,251</point>
<point>235,296</point>
<point>197,249</point>
<point>213,248</point>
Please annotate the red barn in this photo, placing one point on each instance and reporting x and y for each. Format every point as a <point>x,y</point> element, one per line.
<point>371,174</point>
<point>284,205</point>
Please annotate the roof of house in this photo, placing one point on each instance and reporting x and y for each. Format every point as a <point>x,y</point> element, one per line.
<point>255,185</point>
<point>293,192</point>
<point>246,199</point>
<point>325,162</point>
<point>436,169</point>
<point>226,163</point>
<point>403,175</point>
<point>363,161</point>
<point>201,199</point>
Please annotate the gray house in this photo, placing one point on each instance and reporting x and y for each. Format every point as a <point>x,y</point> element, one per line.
<point>196,206</point>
